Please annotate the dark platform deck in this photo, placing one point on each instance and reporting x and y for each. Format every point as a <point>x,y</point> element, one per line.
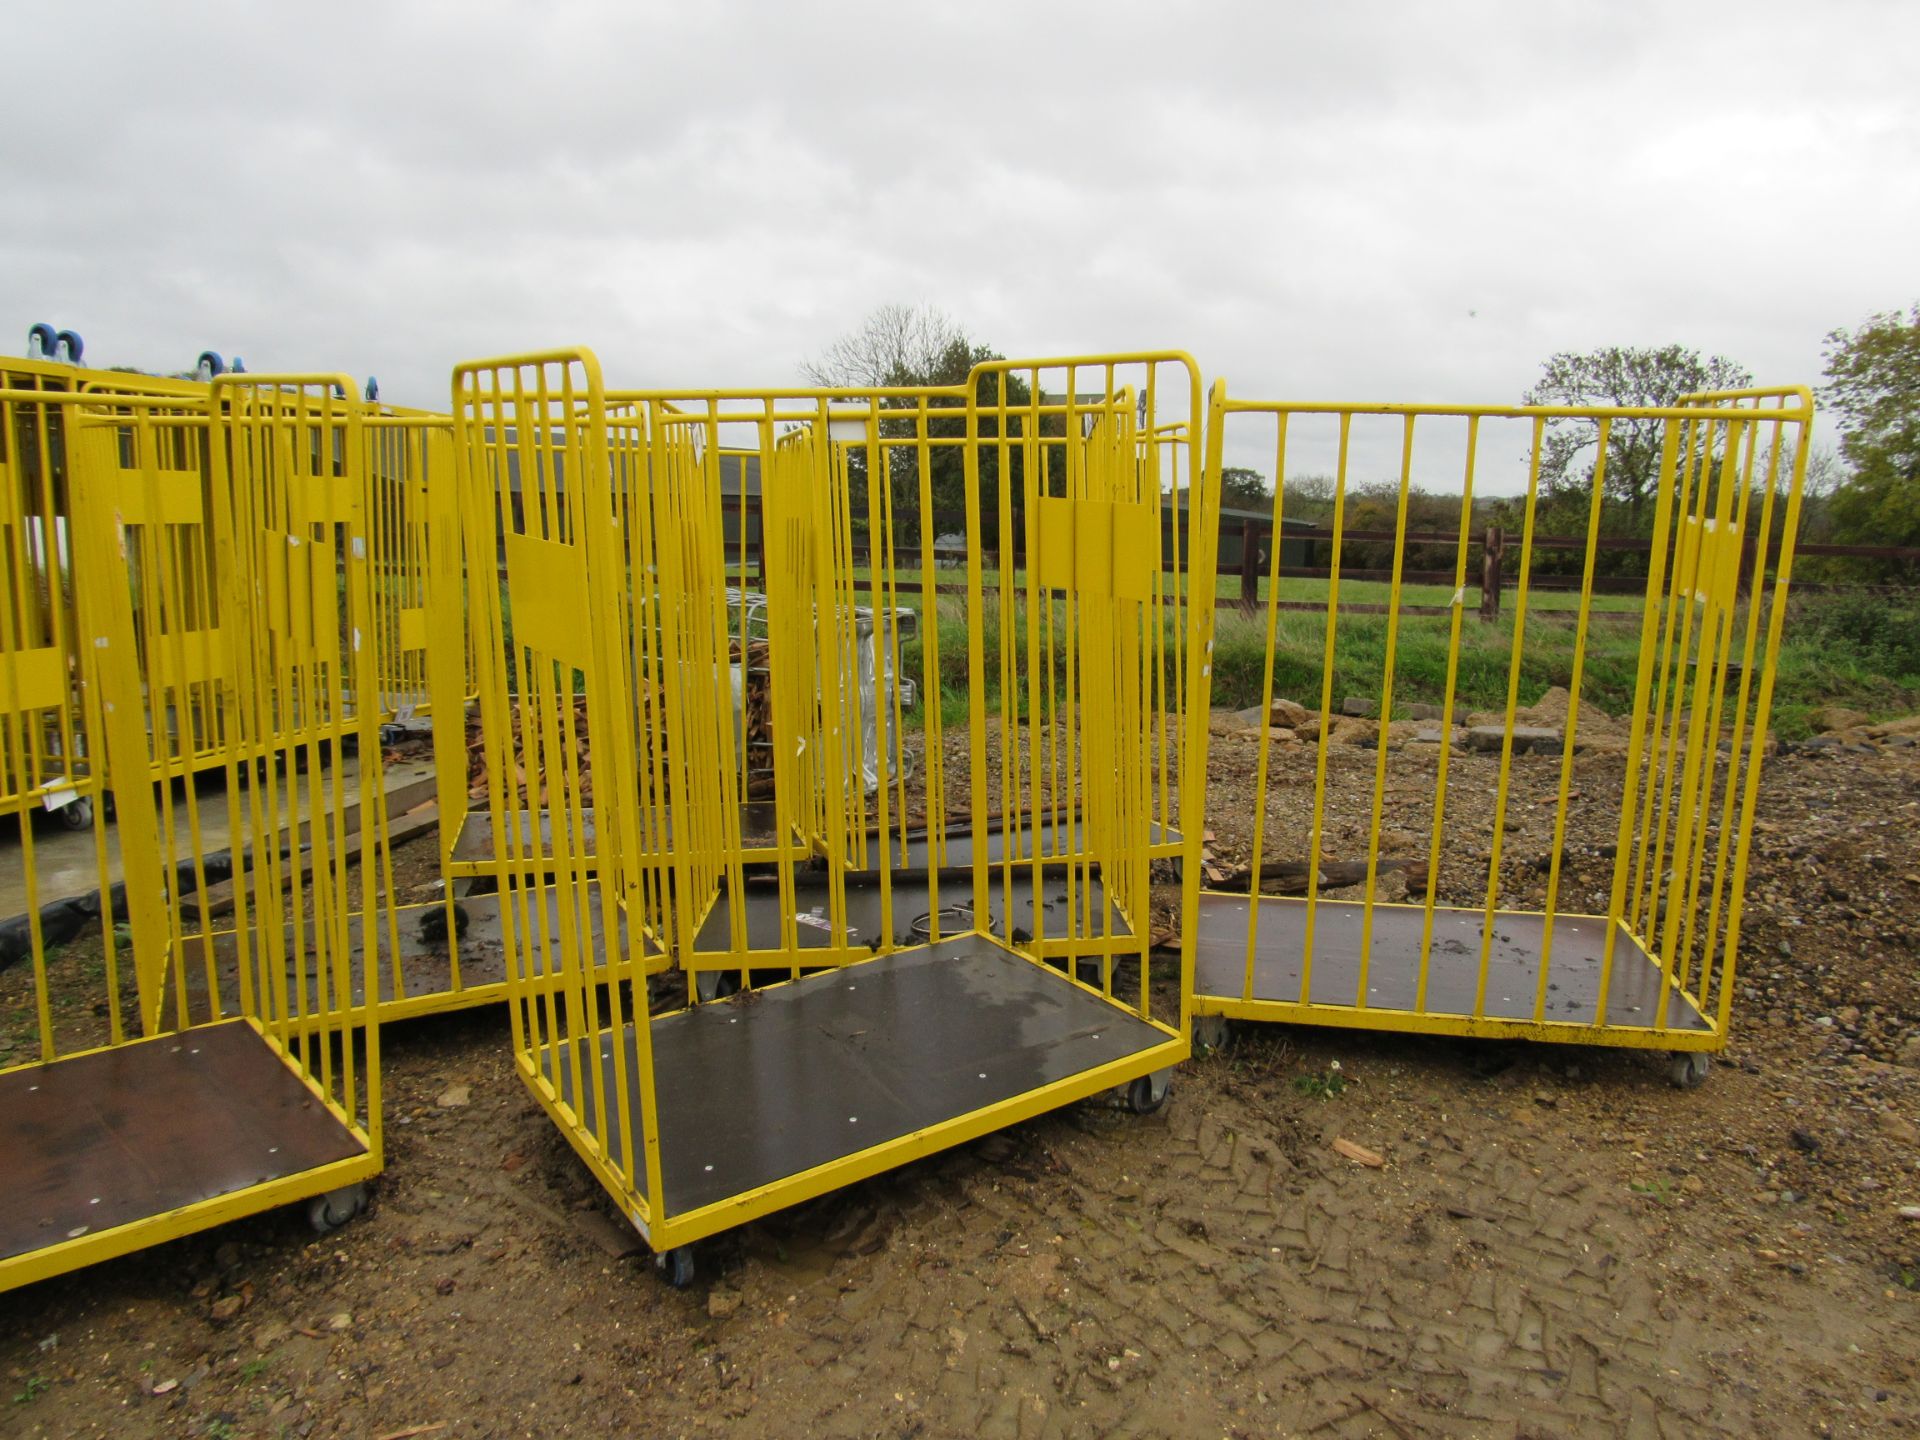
<point>104,1139</point>
<point>775,1082</point>
<point>473,846</point>
<point>1393,969</point>
<point>913,901</point>
<point>425,969</point>
<point>1058,836</point>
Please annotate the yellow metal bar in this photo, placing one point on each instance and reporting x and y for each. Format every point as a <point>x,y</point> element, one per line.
<point>1386,711</point>
<point>1503,785</point>
<point>1569,739</point>
<point>1438,832</point>
<point>1326,709</point>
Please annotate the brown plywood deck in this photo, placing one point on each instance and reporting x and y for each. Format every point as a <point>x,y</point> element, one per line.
<point>779,1081</point>
<point>104,1139</point>
<point>1393,967</point>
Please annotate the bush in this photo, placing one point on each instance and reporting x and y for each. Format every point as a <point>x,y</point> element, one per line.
<point>1881,633</point>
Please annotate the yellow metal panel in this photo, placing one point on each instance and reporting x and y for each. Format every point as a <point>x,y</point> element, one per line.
<point>547,583</point>
<point>191,658</point>
<point>413,628</point>
<point>1092,548</point>
<point>1136,550</point>
<point>1054,527</point>
<point>162,497</point>
<point>33,680</point>
<point>320,500</point>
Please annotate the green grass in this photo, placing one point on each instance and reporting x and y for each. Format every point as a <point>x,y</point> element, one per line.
<point>1861,654</point>
<point>1320,1087</point>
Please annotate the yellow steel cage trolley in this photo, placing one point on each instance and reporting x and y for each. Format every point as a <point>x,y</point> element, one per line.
<point>1649,959</point>
<point>930,950</point>
<point>148,1095</point>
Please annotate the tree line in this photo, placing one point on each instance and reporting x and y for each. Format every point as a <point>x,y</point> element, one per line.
<point>1866,492</point>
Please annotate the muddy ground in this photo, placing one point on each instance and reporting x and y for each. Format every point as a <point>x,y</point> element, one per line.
<point>1559,1243</point>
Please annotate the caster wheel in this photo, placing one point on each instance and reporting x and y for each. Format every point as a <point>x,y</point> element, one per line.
<point>1148,1093</point>
<point>1687,1069</point>
<point>209,365</point>
<point>42,341</point>
<point>677,1266</point>
<point>68,347</point>
<point>1210,1032</point>
<point>328,1212</point>
<point>76,815</point>
<point>711,985</point>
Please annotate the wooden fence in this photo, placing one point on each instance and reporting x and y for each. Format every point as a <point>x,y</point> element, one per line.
<point>1248,541</point>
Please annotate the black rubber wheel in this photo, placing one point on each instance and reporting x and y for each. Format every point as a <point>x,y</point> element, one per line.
<point>1141,1099</point>
<point>328,1212</point>
<point>76,815</point>
<point>1687,1069</point>
<point>677,1266</point>
<point>1211,1033</point>
<point>715,985</point>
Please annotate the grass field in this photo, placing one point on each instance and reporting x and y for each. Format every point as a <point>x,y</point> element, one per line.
<point>1861,653</point>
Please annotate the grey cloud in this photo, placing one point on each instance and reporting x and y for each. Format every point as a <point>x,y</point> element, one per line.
<point>1364,201</point>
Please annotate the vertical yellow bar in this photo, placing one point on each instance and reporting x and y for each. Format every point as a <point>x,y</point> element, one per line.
<point>1388,665</point>
<point>1517,645</point>
<point>1458,607</point>
<point>1632,787</point>
<point>1318,825</point>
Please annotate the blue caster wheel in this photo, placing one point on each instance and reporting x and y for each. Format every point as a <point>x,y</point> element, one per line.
<point>677,1266</point>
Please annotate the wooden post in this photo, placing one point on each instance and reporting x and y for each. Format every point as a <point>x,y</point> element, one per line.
<point>1249,567</point>
<point>1490,555</point>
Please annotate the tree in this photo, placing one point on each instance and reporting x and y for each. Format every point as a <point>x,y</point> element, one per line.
<point>1244,489</point>
<point>920,347</point>
<point>895,345</point>
<point>1873,381</point>
<point>1623,376</point>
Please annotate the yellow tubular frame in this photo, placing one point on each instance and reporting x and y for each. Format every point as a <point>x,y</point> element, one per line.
<point>283,458</point>
<point>618,496</point>
<point>1723,451</point>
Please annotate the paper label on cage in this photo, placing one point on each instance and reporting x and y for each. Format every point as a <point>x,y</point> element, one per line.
<point>1459,596</point>
<point>359,548</point>
<point>403,714</point>
<point>60,798</point>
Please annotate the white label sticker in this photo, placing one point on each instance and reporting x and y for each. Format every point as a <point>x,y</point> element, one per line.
<point>61,798</point>
<point>404,714</point>
<point>359,548</point>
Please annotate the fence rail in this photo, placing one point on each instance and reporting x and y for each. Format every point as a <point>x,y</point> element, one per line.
<point>1249,536</point>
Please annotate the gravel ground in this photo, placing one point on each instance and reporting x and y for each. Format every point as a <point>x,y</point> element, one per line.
<point>1557,1242</point>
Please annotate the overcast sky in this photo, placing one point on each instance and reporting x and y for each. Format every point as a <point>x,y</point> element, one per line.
<point>1393,201</point>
